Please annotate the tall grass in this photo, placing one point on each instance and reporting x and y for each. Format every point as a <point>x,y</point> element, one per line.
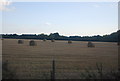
<point>89,73</point>
<point>100,73</point>
<point>7,72</point>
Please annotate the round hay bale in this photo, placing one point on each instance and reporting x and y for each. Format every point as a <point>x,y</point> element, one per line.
<point>52,40</point>
<point>90,44</point>
<point>69,42</point>
<point>118,43</point>
<point>44,40</point>
<point>20,41</point>
<point>2,39</point>
<point>32,43</point>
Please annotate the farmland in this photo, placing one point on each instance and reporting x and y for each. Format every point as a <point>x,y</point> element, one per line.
<point>0,59</point>
<point>31,62</point>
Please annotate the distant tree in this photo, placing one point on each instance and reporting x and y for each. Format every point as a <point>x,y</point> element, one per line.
<point>113,37</point>
<point>54,35</point>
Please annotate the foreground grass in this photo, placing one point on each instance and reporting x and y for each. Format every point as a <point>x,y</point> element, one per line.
<point>100,73</point>
<point>89,73</point>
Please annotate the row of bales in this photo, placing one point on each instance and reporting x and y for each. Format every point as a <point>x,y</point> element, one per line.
<point>33,43</point>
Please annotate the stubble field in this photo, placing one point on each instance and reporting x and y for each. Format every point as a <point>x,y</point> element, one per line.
<point>31,62</point>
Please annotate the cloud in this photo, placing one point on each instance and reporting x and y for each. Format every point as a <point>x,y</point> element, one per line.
<point>96,6</point>
<point>4,5</point>
<point>111,5</point>
<point>48,24</point>
<point>114,5</point>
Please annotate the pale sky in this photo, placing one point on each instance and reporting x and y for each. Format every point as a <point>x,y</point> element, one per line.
<point>67,18</point>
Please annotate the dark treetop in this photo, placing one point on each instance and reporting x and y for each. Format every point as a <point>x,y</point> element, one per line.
<point>113,37</point>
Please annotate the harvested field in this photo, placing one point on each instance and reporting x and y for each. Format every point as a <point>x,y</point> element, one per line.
<point>1,59</point>
<point>33,62</point>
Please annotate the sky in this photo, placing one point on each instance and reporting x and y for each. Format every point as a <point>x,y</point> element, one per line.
<point>66,18</point>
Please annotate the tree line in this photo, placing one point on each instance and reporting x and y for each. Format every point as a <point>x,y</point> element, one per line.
<point>113,37</point>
